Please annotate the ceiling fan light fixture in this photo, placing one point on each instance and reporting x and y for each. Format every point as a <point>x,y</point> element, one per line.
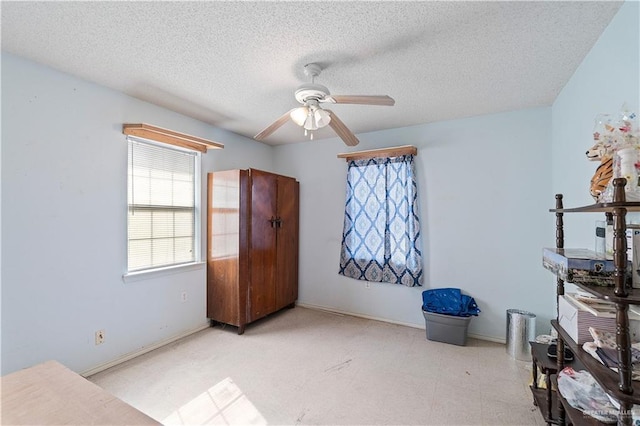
<point>310,123</point>
<point>299,115</point>
<point>322,117</point>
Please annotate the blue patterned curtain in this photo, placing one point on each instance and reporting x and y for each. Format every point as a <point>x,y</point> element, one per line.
<point>381,238</point>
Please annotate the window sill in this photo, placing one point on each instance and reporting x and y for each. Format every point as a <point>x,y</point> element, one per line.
<point>158,272</point>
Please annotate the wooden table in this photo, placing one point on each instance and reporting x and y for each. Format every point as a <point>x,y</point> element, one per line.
<point>50,393</point>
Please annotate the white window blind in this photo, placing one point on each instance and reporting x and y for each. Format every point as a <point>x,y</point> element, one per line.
<point>162,218</point>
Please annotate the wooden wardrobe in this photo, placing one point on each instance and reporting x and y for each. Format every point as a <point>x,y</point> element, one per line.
<point>252,245</point>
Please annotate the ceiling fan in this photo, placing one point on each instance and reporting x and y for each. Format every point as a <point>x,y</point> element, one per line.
<point>312,117</point>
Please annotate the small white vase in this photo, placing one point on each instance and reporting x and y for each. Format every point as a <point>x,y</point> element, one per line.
<point>627,158</point>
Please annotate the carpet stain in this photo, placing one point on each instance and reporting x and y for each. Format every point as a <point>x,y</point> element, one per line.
<point>300,417</point>
<point>338,367</point>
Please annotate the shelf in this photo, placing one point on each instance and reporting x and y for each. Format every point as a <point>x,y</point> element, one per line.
<point>573,415</point>
<point>546,363</point>
<point>606,377</point>
<point>631,206</point>
<point>540,399</point>
<point>539,355</point>
<point>618,202</point>
<point>608,293</point>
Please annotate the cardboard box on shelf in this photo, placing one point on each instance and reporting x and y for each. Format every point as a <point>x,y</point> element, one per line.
<point>576,321</point>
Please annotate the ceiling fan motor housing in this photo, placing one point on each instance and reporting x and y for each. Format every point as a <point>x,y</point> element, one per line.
<point>308,92</point>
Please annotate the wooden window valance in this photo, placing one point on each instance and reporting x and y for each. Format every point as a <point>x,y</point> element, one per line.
<point>170,137</point>
<point>383,152</point>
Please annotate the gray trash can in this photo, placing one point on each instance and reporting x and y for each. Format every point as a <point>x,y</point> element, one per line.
<point>521,329</point>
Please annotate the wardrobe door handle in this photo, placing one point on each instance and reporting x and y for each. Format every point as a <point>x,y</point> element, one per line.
<point>276,222</point>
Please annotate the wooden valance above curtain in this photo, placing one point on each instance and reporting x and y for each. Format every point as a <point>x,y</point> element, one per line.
<point>170,137</point>
<point>395,151</point>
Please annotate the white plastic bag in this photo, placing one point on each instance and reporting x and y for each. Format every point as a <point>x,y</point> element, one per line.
<point>581,390</point>
<point>635,411</point>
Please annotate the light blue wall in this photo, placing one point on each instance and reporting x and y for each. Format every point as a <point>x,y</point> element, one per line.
<point>608,77</point>
<point>64,222</point>
<point>486,184</point>
<point>483,188</point>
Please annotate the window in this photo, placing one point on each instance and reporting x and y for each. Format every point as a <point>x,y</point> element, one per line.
<point>163,202</point>
<point>381,238</point>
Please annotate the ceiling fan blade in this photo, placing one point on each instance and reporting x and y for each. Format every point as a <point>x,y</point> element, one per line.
<point>341,130</point>
<point>361,100</point>
<point>273,126</point>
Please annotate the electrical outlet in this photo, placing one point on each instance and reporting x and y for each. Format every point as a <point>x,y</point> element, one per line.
<point>367,285</point>
<point>99,337</point>
<point>183,296</point>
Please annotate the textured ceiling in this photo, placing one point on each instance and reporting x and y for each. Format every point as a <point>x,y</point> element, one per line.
<point>236,65</point>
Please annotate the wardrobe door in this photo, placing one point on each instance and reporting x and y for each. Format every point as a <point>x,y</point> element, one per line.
<point>262,293</point>
<point>287,242</point>
<point>227,247</point>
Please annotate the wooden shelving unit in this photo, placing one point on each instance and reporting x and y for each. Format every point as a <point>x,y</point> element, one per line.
<point>617,385</point>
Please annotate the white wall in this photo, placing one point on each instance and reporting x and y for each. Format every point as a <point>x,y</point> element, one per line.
<point>608,76</point>
<point>64,165</point>
<point>483,190</point>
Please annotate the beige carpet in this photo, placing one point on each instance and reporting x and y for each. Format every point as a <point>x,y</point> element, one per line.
<point>302,366</point>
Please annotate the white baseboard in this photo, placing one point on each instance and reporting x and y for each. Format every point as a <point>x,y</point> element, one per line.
<point>487,338</point>
<point>142,351</point>
<point>406,324</point>
<point>353,314</point>
<point>172,339</point>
